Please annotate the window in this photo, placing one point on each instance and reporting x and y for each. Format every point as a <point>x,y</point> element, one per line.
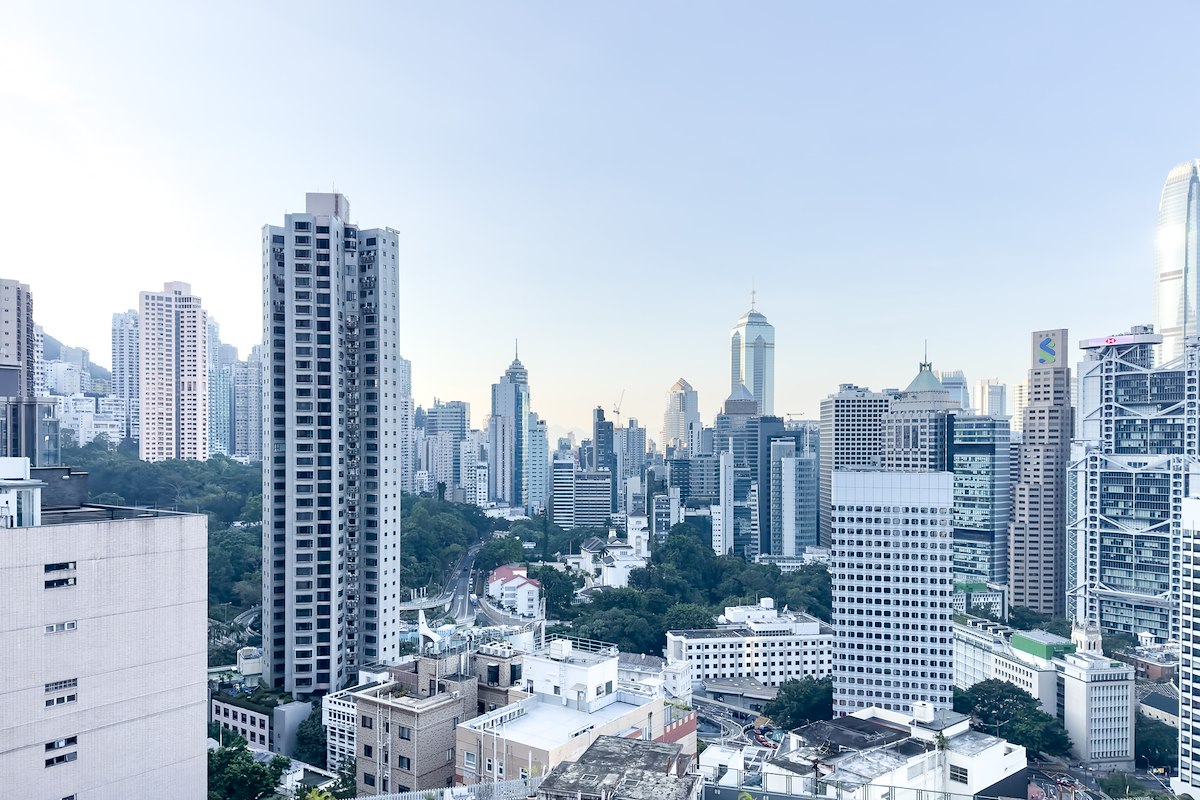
<point>59,566</point>
<point>404,762</point>
<point>62,759</point>
<point>59,744</point>
<point>449,755</point>
<point>368,751</point>
<point>55,583</point>
<point>368,779</point>
<point>59,627</point>
<point>958,774</point>
<point>368,722</point>
<point>405,733</point>
<point>488,766</point>
<point>469,760</point>
<point>58,686</point>
<point>61,700</point>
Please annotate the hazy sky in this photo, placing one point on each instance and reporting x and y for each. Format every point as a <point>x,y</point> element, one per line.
<point>606,181</point>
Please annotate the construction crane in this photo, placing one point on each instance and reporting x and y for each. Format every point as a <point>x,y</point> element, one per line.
<point>617,409</point>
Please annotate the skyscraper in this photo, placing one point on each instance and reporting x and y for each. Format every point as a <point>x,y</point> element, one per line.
<point>604,448</point>
<point>793,498</point>
<point>17,361</point>
<point>537,464</point>
<point>1133,463</point>
<point>506,434</point>
<point>892,575</point>
<point>851,437</point>
<point>173,342</point>
<point>979,456</point>
<point>917,425</point>
<point>247,378</point>
<point>126,369</point>
<point>954,382</point>
<point>1189,679</point>
<point>1176,256</point>
<point>331,496</point>
<point>1037,529</point>
<point>752,359</point>
<point>683,412</point>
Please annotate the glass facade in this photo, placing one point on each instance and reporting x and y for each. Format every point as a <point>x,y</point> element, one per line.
<point>1176,250</point>
<point>982,495</point>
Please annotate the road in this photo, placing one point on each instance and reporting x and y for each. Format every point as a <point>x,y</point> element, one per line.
<point>460,588</point>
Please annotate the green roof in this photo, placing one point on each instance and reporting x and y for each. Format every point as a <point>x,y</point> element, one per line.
<point>1041,644</point>
<point>925,381</point>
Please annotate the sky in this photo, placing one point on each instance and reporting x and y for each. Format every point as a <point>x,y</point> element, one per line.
<point>607,182</point>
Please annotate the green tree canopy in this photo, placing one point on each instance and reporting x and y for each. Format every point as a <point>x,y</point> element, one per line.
<point>800,702</point>
<point>688,616</point>
<point>1007,711</point>
<point>498,551</point>
<point>233,774</point>
<point>1156,741</point>
<point>310,739</point>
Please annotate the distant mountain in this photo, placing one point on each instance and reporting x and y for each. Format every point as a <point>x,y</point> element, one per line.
<point>52,350</point>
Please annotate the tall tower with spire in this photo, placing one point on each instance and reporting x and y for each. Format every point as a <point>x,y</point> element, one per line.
<point>752,358</point>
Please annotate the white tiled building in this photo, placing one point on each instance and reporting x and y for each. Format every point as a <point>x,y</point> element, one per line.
<point>756,642</point>
<point>103,644</point>
<point>892,586</point>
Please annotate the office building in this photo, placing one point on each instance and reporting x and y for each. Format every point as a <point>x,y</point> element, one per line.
<point>579,498</point>
<point>173,362</point>
<point>793,500</point>
<point>1099,708</point>
<point>985,650</point>
<point>917,426</point>
<point>954,382</point>
<point>104,636</point>
<point>980,455</point>
<point>682,415</point>
<point>734,516</point>
<point>1038,526</point>
<point>892,583</point>
<point>1176,254</point>
<point>18,364</point>
<point>507,436</point>
<point>989,399</point>
<point>752,359</point>
<point>1133,462</point>
<point>851,438</point>
<point>331,500</point>
<point>758,642</point>
<point>1020,399</point>
<point>537,465</point>
<point>126,370</point>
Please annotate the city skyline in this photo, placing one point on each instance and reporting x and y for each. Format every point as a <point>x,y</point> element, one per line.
<point>531,211</point>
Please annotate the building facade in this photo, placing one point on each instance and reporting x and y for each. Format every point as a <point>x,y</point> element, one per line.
<point>126,370</point>
<point>331,496</point>
<point>851,438</point>
<point>1134,461</point>
<point>752,359</point>
<point>173,364</point>
<point>1176,257</point>
<point>892,584</point>
<point>1037,529</point>
<point>18,364</point>
<point>98,659</point>
<point>980,456</point>
<point>682,416</point>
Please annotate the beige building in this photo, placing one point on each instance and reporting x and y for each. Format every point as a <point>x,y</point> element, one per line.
<point>18,363</point>
<point>575,698</point>
<point>103,643</point>
<point>173,390</point>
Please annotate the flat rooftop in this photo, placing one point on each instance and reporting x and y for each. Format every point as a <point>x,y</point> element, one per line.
<point>546,724</point>
<point>636,769</point>
<point>90,513</point>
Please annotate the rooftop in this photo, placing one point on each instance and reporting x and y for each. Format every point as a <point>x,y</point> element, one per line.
<point>641,661</point>
<point>544,724</point>
<point>1158,700</point>
<point>634,768</point>
<point>746,687</point>
<point>91,513</point>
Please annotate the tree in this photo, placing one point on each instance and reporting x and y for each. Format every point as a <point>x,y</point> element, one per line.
<point>558,589</point>
<point>310,739</point>
<point>1156,741</point>
<point>1116,641</point>
<point>1005,710</point>
<point>800,702</point>
<point>233,774</point>
<point>502,550</point>
<point>687,617</point>
<point>224,736</point>
<point>347,780</point>
<point>1026,619</point>
<point>1118,785</point>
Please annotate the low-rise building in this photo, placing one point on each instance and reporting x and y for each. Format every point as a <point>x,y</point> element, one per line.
<point>640,672</point>
<point>874,753</point>
<point>756,642</point>
<point>991,597</point>
<point>1098,709</point>
<point>986,650</point>
<point>266,720</point>
<point>1161,707</point>
<point>511,588</point>
<point>575,696</point>
<point>613,768</point>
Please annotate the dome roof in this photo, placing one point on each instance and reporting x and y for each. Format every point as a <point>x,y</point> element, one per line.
<point>925,381</point>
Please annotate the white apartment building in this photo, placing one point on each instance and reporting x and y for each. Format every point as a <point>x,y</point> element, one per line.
<point>126,370</point>
<point>756,642</point>
<point>331,485</point>
<point>1189,624</point>
<point>103,643</point>
<point>247,423</point>
<point>18,361</point>
<point>892,585</point>
<point>173,368</point>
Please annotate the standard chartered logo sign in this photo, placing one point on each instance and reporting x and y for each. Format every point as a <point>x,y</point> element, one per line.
<point>1048,356</point>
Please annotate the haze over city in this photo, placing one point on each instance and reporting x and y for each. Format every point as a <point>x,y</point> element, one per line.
<point>607,185</point>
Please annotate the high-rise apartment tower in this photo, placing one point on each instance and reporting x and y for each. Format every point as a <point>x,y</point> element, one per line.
<point>173,362</point>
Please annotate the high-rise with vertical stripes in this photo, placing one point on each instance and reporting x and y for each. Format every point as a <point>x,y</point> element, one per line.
<point>173,370</point>
<point>331,447</point>
<point>1176,251</point>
